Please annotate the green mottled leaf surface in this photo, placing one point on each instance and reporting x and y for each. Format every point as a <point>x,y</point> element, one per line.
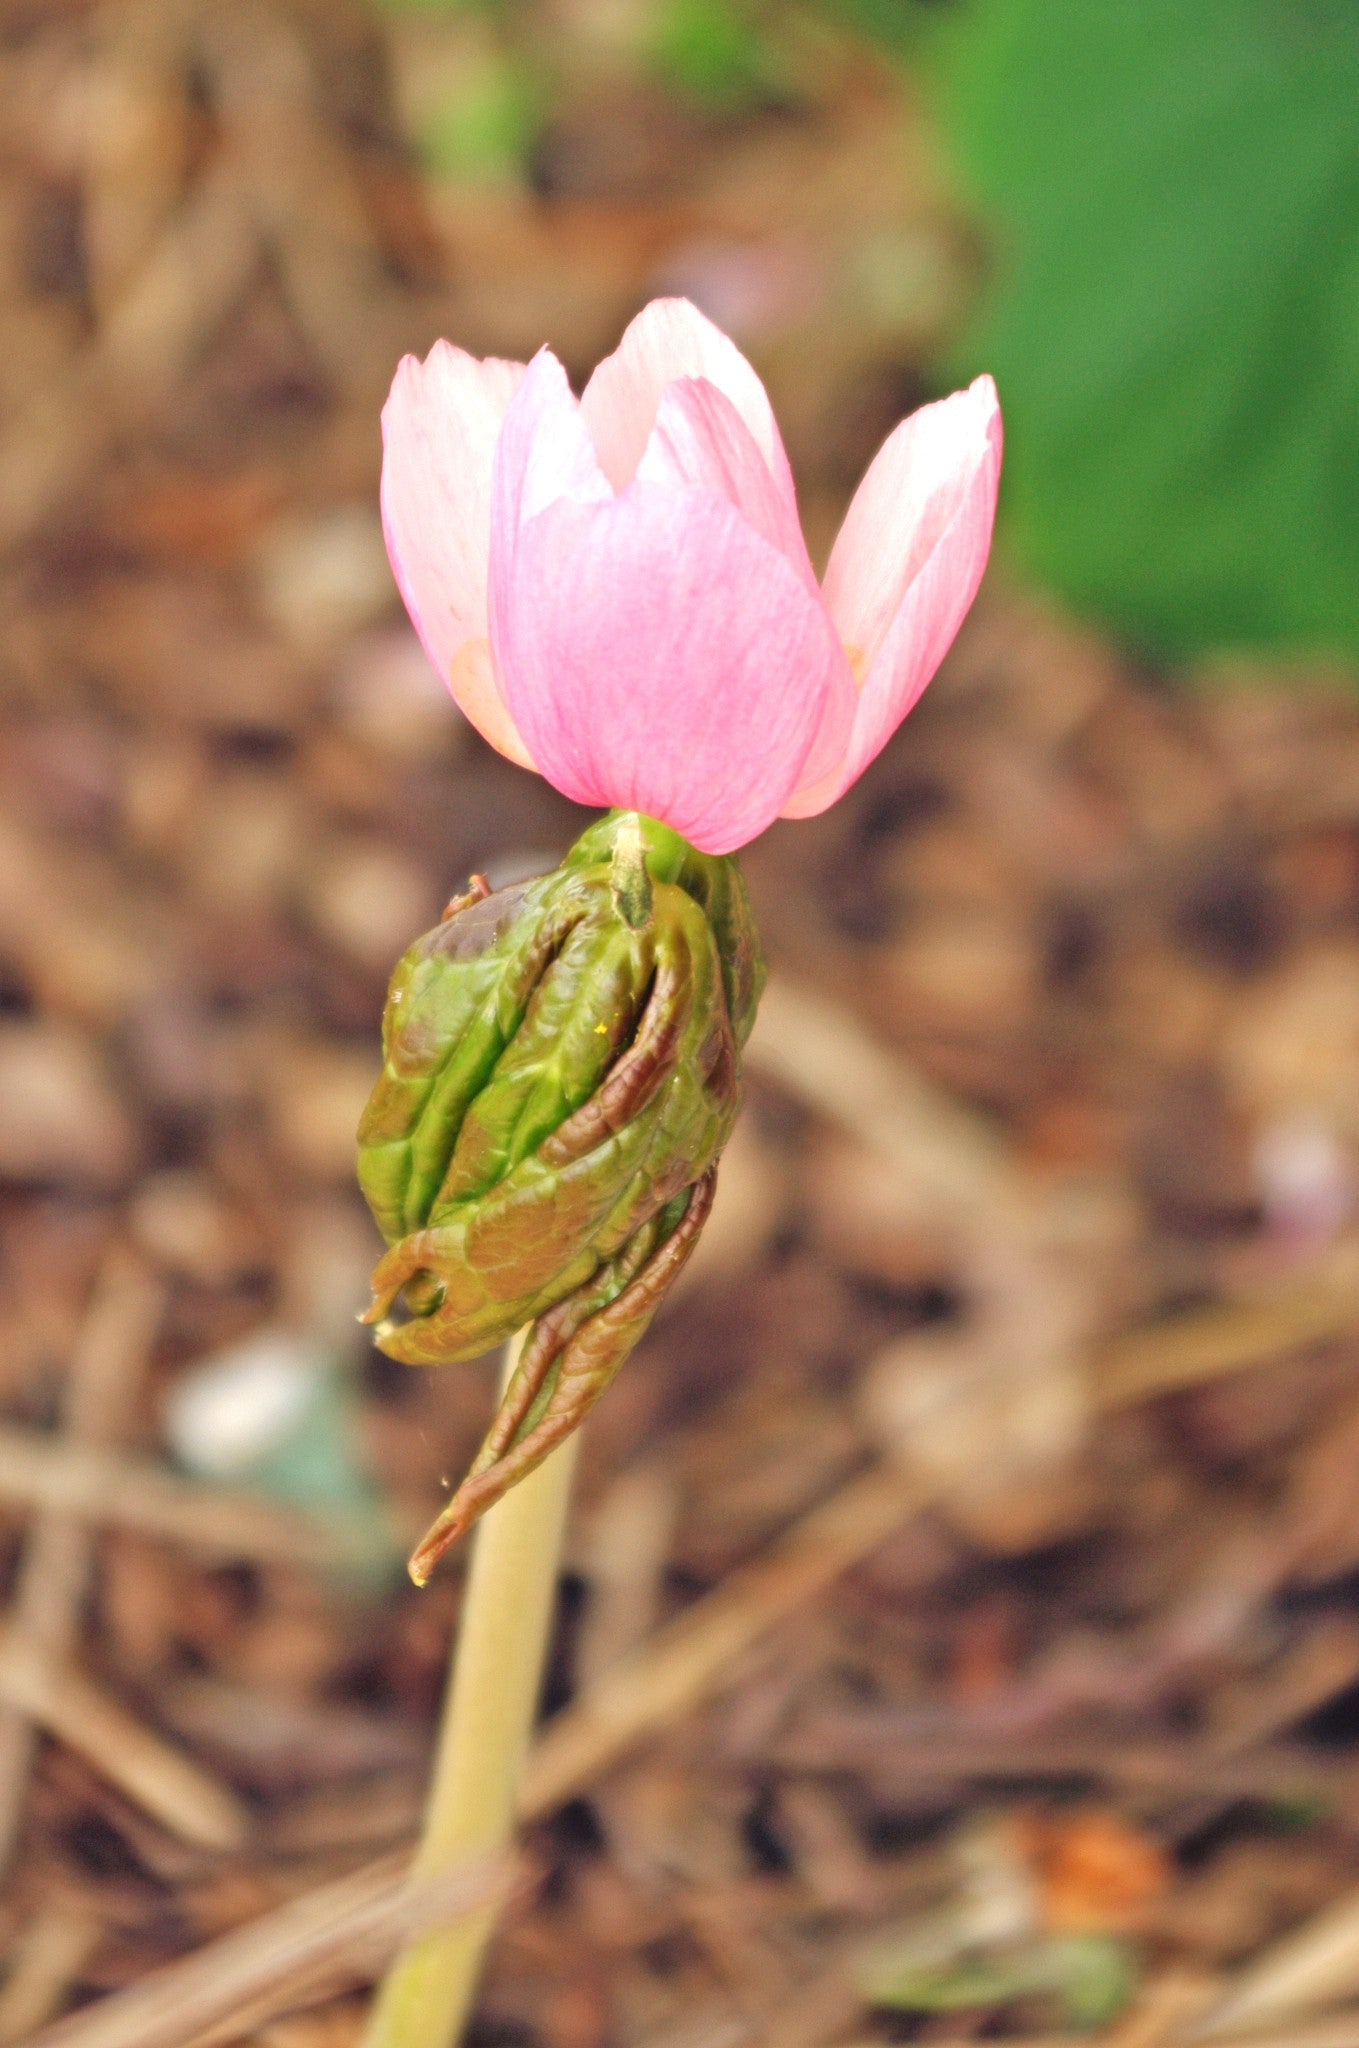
<point>504,1027</point>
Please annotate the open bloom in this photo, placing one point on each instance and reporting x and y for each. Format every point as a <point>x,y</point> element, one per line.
<point>616,588</point>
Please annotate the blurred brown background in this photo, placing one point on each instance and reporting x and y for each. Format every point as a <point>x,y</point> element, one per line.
<point>1014,1391</point>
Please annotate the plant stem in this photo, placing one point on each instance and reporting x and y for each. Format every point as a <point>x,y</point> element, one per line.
<point>488,1717</point>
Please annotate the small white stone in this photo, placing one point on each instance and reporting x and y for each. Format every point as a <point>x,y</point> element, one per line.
<point>234,1409</point>
<point>1305,1175</point>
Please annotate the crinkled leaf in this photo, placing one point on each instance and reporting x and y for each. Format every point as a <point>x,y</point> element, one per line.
<point>561,1070</point>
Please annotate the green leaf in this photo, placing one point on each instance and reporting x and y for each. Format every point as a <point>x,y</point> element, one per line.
<point>1172,196</point>
<point>712,52</point>
<point>1090,1977</point>
<point>486,130</point>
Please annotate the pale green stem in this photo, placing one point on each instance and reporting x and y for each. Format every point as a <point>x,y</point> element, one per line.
<point>488,1717</point>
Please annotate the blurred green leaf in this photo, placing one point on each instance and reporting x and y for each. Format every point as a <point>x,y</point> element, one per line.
<point>896,24</point>
<point>487,128</point>
<point>1091,1977</point>
<point>444,7</point>
<point>1173,196</point>
<point>1293,1816</point>
<point>712,51</point>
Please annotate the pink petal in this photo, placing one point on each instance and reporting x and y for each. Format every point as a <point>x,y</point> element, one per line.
<point>439,431</point>
<point>668,340</point>
<point>700,442</point>
<point>659,654</point>
<point>914,486</point>
<point>544,451</point>
<point>906,565</point>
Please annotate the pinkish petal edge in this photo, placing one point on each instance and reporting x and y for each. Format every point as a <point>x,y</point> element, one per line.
<point>909,494</point>
<point>899,594</point>
<point>440,427</point>
<point>668,340</point>
<point>544,453</point>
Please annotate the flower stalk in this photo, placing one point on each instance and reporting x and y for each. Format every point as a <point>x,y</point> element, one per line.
<point>493,1690</point>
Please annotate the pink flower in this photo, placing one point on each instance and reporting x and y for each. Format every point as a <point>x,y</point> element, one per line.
<point>617,592</point>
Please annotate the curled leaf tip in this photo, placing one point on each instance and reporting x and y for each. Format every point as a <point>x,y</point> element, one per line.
<point>572,1355</point>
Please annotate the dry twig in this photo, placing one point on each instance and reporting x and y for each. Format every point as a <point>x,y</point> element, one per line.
<point>681,1664</point>
<point>38,1686</point>
<point>41,1692</point>
<point>1205,1344</point>
<point>99,1486</point>
<point>44,1617</point>
<point>350,1925</point>
<point>46,1961</point>
<point>161,320</point>
<point>303,194</point>
<point>1314,1965</point>
<point>824,1054</point>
